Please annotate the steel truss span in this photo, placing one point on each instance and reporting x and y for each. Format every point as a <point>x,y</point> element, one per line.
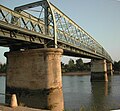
<point>41,24</point>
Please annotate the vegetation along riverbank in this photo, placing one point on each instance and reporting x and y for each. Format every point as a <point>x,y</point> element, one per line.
<point>82,73</point>
<point>77,67</point>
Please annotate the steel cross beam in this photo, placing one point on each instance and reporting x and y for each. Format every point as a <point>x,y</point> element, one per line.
<point>31,5</point>
<point>49,17</point>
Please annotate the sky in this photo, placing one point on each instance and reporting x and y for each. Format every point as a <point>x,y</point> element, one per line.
<point>100,18</point>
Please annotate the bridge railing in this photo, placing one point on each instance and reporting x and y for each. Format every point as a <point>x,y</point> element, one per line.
<point>23,20</point>
<point>70,33</point>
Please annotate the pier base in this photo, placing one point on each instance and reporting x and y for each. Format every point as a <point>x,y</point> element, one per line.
<point>99,70</point>
<point>35,77</point>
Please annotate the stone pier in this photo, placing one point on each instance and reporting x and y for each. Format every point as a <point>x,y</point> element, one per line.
<point>35,76</point>
<point>109,68</point>
<point>99,70</point>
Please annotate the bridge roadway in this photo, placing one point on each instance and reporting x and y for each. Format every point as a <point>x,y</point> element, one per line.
<point>21,28</point>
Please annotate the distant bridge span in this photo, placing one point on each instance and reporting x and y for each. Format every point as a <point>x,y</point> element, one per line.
<point>52,28</point>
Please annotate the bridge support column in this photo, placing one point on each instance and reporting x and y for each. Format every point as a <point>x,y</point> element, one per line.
<point>109,69</point>
<point>99,70</point>
<point>35,76</point>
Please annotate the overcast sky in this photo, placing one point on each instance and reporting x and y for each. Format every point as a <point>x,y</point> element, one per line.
<point>100,18</point>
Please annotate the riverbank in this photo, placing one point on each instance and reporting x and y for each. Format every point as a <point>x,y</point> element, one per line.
<point>82,73</point>
<point>19,108</point>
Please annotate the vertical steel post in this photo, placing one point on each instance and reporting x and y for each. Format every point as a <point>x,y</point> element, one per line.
<point>46,20</point>
<point>54,23</point>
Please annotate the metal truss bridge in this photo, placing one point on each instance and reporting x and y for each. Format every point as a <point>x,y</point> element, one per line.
<point>41,24</point>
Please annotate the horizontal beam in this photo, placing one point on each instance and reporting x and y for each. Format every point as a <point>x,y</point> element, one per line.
<point>30,5</point>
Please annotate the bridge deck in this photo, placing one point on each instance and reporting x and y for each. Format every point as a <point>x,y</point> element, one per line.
<point>52,28</point>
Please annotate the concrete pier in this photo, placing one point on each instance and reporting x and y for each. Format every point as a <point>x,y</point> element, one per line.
<point>109,68</point>
<point>99,70</point>
<point>35,77</point>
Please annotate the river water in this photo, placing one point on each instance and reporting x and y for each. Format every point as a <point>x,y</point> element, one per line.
<point>2,89</point>
<point>79,93</point>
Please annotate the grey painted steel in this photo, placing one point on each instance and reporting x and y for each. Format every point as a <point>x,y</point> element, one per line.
<point>52,29</point>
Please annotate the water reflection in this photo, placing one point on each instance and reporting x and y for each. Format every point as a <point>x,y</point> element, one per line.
<point>79,91</point>
<point>100,91</point>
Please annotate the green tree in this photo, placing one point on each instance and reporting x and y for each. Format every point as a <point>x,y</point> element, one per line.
<point>116,66</point>
<point>79,65</point>
<point>71,65</point>
<point>87,66</point>
<point>66,68</point>
<point>3,68</point>
<point>75,66</point>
